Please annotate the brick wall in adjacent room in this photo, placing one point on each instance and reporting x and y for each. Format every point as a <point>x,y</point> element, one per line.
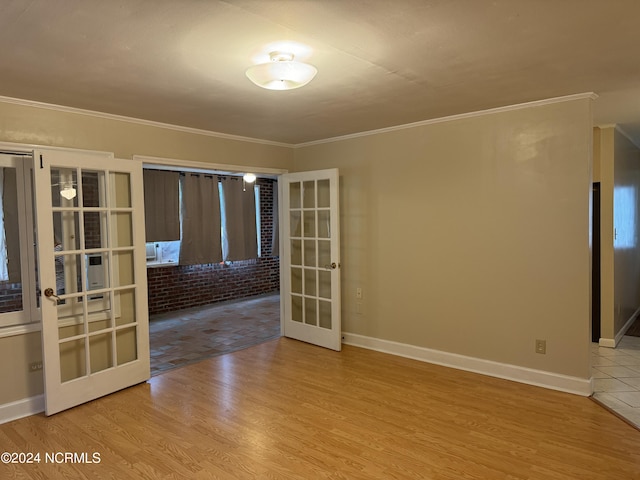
<point>10,297</point>
<point>183,286</point>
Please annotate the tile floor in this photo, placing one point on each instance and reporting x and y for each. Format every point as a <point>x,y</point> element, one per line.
<point>616,374</point>
<point>188,336</point>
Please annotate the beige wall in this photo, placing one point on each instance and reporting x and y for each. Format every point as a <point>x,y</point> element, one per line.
<point>626,218</point>
<point>16,353</point>
<point>471,236</point>
<point>38,126</point>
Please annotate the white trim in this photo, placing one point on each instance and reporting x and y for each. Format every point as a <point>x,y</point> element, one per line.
<point>607,342</point>
<point>139,121</point>
<point>23,329</point>
<point>613,342</point>
<point>162,163</point>
<point>539,378</point>
<point>21,408</point>
<point>450,118</point>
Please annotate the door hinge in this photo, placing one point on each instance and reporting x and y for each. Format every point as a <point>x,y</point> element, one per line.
<point>41,166</point>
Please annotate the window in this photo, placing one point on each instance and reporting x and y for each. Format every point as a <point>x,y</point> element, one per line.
<point>4,261</point>
<point>18,299</point>
<point>233,213</point>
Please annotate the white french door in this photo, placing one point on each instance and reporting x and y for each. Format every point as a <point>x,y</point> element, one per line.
<point>92,272</point>
<point>310,273</point>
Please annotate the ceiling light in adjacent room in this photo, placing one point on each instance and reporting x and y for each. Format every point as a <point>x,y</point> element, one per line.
<point>68,192</point>
<point>281,73</point>
<point>249,177</point>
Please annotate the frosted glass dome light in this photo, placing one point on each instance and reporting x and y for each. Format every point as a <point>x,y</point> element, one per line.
<point>281,73</point>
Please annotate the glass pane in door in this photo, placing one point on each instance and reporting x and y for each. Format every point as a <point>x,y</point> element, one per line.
<point>122,229</point>
<point>94,229</point>
<point>126,345</point>
<point>64,187</point>
<point>310,311</point>
<point>71,319</point>
<point>324,314</point>
<point>92,189</point>
<point>73,362</point>
<point>309,190</point>
<point>324,193</point>
<point>101,356</point>
<point>126,302</point>
<point>120,190</point>
<point>66,230</point>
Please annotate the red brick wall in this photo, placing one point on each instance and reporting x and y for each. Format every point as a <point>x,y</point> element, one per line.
<point>10,297</point>
<point>183,286</point>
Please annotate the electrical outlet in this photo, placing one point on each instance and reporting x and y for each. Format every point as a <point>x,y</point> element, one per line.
<point>358,293</point>
<point>359,308</point>
<point>541,346</point>
<point>35,366</point>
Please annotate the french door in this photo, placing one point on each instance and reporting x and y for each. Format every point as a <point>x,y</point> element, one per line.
<point>92,275</point>
<point>310,274</point>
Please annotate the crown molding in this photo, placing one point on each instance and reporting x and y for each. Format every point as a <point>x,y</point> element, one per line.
<point>196,131</point>
<point>138,121</point>
<point>507,108</point>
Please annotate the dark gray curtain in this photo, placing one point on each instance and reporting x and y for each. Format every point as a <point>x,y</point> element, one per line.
<point>161,205</point>
<point>200,220</point>
<point>240,219</point>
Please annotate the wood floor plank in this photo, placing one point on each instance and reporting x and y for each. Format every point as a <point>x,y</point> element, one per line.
<point>289,410</point>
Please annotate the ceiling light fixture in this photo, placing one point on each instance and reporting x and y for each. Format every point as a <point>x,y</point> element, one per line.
<point>281,73</point>
<point>247,178</point>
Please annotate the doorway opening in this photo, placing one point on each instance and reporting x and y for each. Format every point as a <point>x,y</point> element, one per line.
<point>199,309</point>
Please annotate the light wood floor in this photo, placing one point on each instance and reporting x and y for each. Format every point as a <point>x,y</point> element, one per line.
<point>285,409</point>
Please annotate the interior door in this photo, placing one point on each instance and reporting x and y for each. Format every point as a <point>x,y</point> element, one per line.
<point>92,271</point>
<point>310,296</point>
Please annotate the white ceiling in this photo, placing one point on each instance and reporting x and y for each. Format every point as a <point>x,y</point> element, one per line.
<point>380,63</point>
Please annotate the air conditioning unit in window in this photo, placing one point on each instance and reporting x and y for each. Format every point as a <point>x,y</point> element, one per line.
<point>95,273</point>
<point>151,252</point>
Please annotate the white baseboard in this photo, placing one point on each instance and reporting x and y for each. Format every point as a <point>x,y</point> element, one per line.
<point>607,342</point>
<point>613,342</point>
<point>21,408</point>
<point>540,378</point>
